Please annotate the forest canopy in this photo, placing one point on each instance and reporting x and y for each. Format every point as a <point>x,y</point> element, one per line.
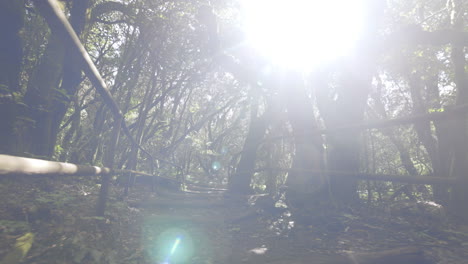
<point>246,95</point>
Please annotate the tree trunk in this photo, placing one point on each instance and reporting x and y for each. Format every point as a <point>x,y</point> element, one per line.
<point>11,22</point>
<point>71,71</point>
<point>343,147</point>
<point>239,183</point>
<point>46,99</point>
<point>40,97</point>
<point>140,125</point>
<point>459,199</point>
<point>351,99</point>
<point>109,163</point>
<point>440,150</point>
<point>307,141</point>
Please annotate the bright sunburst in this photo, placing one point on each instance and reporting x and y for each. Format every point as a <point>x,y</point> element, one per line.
<point>301,34</point>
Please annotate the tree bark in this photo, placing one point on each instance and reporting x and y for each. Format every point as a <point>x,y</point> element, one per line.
<point>11,55</point>
<point>47,101</point>
<point>308,155</point>
<point>39,97</point>
<point>239,183</point>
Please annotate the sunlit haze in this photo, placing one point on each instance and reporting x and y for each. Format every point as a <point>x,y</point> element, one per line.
<point>302,34</point>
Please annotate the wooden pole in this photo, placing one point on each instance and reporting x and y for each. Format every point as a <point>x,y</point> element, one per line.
<point>419,179</point>
<point>27,166</point>
<point>109,161</point>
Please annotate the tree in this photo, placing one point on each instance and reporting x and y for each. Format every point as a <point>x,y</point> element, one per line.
<point>12,16</point>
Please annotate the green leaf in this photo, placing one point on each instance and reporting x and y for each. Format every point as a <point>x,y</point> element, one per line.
<point>22,246</point>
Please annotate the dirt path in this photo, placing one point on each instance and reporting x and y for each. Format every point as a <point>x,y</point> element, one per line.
<point>185,228</point>
<point>203,228</point>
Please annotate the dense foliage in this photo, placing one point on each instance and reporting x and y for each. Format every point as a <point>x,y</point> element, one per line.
<point>211,111</point>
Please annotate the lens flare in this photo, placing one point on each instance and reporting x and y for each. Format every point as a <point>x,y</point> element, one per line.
<point>174,247</point>
<point>166,244</point>
<point>216,165</point>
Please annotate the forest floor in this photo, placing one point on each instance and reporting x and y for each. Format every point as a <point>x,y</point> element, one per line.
<point>205,227</point>
<point>220,230</point>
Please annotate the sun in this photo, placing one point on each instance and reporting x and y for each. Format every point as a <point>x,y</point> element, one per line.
<point>302,34</point>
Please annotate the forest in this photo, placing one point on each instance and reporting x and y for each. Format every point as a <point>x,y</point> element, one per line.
<point>234,131</point>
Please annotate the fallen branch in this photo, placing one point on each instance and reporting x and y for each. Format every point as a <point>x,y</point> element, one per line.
<point>420,179</point>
